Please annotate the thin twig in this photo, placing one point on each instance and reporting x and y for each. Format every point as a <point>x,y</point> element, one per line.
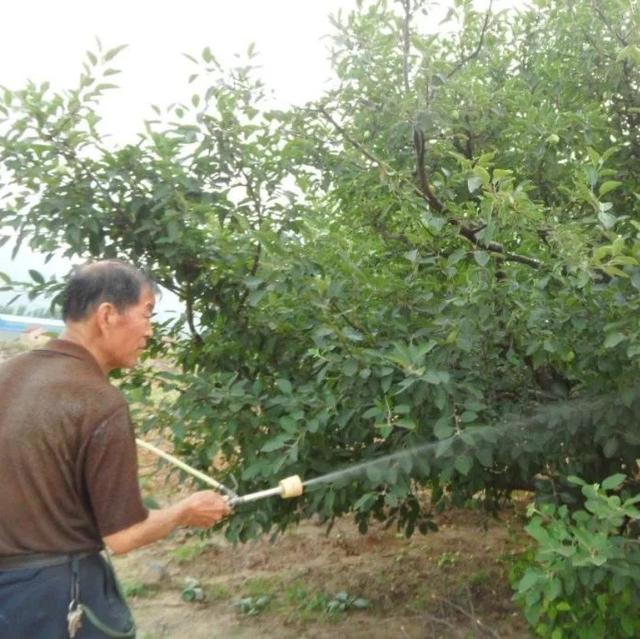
<point>406,42</point>
<point>189,313</point>
<point>471,617</point>
<point>382,165</point>
<point>476,51</point>
<point>440,621</point>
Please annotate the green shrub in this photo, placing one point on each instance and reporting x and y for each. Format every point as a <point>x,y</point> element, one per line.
<point>584,579</point>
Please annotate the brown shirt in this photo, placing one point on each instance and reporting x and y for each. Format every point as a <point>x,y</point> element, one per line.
<point>68,465</point>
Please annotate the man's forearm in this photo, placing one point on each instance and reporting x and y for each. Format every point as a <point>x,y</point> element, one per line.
<point>157,525</point>
<point>201,510</point>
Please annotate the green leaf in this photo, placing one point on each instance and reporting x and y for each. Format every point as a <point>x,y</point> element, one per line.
<point>255,296</point>
<point>613,482</point>
<point>435,223</point>
<point>252,282</point>
<point>436,377</point>
<point>483,174</point>
<point>481,257</point>
<point>207,56</point>
<point>553,589</point>
<point>352,334</point>
<point>530,579</point>
<point>443,428</point>
<point>350,367</point>
<point>607,220</point>
<point>474,183</point>
<point>105,86</point>
<point>112,53</point>
<point>276,443</point>
<point>285,386</point>
<point>610,448</point>
<point>36,276</point>
<point>406,423</point>
<point>605,187</point>
<point>613,339</point>
<point>463,464</point>
<point>484,456</point>
<point>628,625</point>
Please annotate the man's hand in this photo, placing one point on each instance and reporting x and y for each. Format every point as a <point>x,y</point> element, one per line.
<point>203,509</point>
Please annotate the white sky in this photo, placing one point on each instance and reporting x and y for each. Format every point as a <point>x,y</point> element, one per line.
<point>47,39</point>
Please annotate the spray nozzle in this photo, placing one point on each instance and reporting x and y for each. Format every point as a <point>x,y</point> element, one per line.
<point>288,487</point>
<point>291,487</point>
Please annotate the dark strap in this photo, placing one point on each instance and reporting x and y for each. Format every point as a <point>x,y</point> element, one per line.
<point>35,560</point>
<point>88,612</point>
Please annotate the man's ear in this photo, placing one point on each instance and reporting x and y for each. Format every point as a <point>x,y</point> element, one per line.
<point>105,316</point>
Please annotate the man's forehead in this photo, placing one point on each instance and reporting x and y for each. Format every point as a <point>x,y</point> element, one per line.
<point>148,298</point>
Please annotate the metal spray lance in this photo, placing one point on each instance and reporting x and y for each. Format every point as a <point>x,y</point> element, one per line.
<point>288,487</point>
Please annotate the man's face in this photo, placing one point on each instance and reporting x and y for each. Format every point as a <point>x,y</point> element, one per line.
<point>131,331</point>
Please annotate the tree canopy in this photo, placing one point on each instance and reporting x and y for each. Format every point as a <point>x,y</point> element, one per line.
<point>444,248</point>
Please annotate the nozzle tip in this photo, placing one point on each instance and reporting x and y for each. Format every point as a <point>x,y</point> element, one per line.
<point>291,487</point>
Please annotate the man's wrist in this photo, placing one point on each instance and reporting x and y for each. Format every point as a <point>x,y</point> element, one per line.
<point>179,513</point>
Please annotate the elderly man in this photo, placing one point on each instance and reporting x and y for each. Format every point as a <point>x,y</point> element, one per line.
<point>68,467</point>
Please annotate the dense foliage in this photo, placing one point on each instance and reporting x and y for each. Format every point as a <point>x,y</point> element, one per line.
<point>444,247</point>
<point>584,581</point>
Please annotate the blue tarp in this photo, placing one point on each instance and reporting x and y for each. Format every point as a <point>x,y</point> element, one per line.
<point>19,325</point>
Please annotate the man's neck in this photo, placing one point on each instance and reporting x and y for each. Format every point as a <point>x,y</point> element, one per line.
<point>81,335</point>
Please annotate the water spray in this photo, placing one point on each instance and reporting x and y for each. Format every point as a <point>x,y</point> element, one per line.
<point>519,428</point>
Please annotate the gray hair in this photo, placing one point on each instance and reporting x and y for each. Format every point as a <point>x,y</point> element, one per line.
<point>113,281</point>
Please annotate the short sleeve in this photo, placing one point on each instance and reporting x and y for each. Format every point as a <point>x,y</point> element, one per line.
<point>111,475</point>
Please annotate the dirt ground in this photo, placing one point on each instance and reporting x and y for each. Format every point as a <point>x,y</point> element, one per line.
<point>450,584</point>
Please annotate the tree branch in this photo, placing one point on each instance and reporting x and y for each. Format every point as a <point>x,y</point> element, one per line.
<point>406,42</point>
<point>188,301</point>
<point>355,143</point>
<point>476,51</point>
<point>425,191</point>
<point>598,10</point>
